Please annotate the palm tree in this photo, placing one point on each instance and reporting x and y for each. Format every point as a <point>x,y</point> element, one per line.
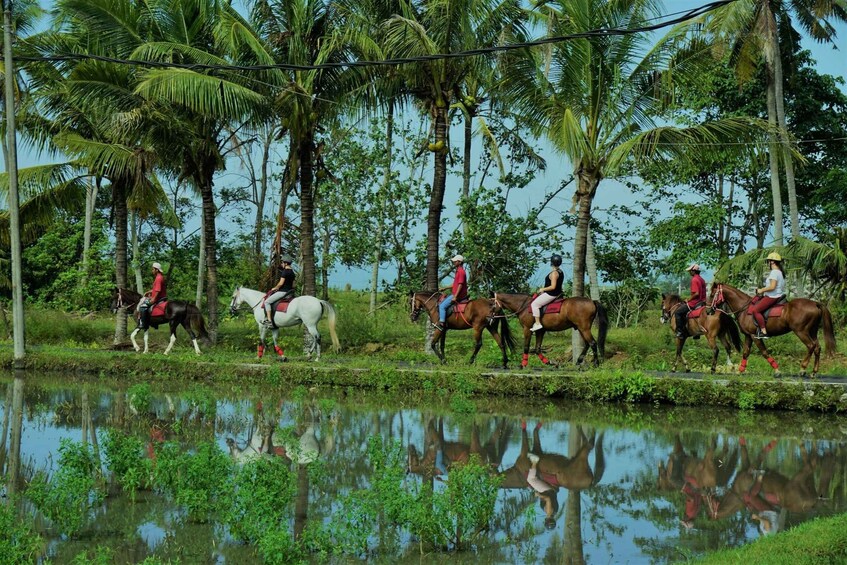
<point>750,27</point>
<point>600,101</point>
<point>441,26</point>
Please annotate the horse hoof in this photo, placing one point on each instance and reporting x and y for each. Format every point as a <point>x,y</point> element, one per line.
<point>283,359</point>
<point>804,375</point>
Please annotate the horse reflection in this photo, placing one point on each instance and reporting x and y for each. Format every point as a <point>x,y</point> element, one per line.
<point>761,490</point>
<point>556,470</point>
<point>439,454</point>
<point>705,472</point>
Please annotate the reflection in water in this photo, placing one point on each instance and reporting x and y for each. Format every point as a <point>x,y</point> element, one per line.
<point>577,491</point>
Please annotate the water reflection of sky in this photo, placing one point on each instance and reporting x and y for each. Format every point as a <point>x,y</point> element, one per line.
<point>622,519</point>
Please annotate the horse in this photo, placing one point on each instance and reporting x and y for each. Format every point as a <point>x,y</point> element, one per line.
<point>477,315</point>
<point>306,310</point>
<point>800,315</point>
<point>715,325</point>
<point>575,312</point>
<point>176,313</point>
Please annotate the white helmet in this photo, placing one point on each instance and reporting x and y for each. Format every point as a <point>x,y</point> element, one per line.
<point>157,266</point>
<point>458,258</point>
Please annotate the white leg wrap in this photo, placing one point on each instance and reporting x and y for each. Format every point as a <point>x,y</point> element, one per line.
<point>196,347</point>
<point>146,343</point>
<point>170,345</point>
<point>132,337</point>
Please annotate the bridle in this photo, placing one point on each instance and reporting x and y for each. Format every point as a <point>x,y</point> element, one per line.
<point>668,312</point>
<point>119,301</point>
<point>499,306</point>
<point>719,299</point>
<point>416,311</point>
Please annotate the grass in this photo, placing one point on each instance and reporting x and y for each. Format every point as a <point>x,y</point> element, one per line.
<point>823,540</point>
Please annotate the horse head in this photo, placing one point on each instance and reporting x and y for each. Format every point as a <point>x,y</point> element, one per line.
<point>236,301</point>
<point>716,297</point>
<point>116,300</point>
<point>668,303</point>
<point>418,305</point>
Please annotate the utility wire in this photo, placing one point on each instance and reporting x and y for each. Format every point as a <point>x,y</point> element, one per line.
<point>682,17</point>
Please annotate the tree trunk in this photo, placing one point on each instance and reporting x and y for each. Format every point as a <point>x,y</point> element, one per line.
<point>783,132</point>
<point>773,159</point>
<point>324,269</point>
<point>263,193</point>
<point>724,252</point>
<point>466,171</point>
<point>210,245</point>
<point>573,553</point>
<point>90,205</point>
<point>201,264</point>
<point>436,201</point>
<point>121,213</point>
<point>307,215</point>
<point>585,193</point>
<point>380,222</point>
<point>591,267</point>
<point>136,256</point>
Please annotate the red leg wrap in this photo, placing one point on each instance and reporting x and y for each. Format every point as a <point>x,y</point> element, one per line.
<point>278,350</point>
<point>742,366</point>
<point>261,351</point>
<point>525,360</point>
<point>773,363</point>
<point>543,359</point>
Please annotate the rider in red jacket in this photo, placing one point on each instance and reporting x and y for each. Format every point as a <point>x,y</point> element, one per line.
<point>157,294</point>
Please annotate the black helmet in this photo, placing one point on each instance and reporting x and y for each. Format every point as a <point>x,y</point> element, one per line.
<point>286,259</point>
<point>556,260</point>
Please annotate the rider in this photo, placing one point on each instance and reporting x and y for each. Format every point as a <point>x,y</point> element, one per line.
<point>698,296</point>
<point>459,290</point>
<point>768,295</point>
<point>158,293</point>
<point>551,290</point>
<point>284,289</point>
<point>547,495</point>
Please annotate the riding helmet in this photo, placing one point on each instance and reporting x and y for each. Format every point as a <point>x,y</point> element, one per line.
<point>286,259</point>
<point>556,260</point>
<point>774,256</point>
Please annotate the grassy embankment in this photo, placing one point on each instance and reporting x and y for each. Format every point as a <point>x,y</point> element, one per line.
<point>386,352</point>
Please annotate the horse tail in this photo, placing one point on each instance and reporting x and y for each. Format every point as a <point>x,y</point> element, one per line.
<point>336,346</point>
<point>828,331</point>
<point>728,325</point>
<point>603,328</point>
<point>197,322</point>
<point>506,334</point>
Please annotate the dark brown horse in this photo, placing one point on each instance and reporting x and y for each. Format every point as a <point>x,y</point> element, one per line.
<point>177,312</point>
<point>801,316</point>
<point>476,314</point>
<point>717,325</point>
<point>576,313</point>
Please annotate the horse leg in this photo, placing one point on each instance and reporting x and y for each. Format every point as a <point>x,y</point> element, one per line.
<point>766,354</point>
<point>279,352</point>
<point>527,336</point>
<point>187,325</point>
<point>539,339</point>
<point>492,329</point>
<point>728,346</point>
<point>713,343</point>
<point>316,342</point>
<point>477,336</point>
<point>146,340</point>
<point>588,340</point>
<point>262,331</point>
<point>170,346</point>
<point>812,347</point>
<point>680,343</point>
<point>132,337</point>
<point>745,353</point>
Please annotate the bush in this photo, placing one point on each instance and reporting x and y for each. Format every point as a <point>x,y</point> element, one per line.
<point>19,543</point>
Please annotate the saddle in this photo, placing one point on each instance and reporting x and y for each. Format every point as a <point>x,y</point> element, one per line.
<point>158,309</point>
<point>282,304</point>
<point>552,308</point>
<point>455,307</point>
<point>696,312</point>
<point>775,311</point>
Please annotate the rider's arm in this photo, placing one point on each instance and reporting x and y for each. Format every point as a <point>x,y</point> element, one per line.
<point>770,287</point>
<point>156,290</point>
<point>279,284</point>
<point>554,276</point>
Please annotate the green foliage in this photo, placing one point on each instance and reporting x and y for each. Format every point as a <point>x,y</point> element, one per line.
<point>277,547</point>
<point>125,459</point>
<point>261,500</point>
<point>626,302</point>
<point>19,542</point>
<point>194,480</point>
<point>747,400</point>
<point>139,396</point>
<point>68,497</point>
<point>100,555</point>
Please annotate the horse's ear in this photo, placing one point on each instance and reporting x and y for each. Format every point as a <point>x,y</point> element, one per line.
<point>663,296</point>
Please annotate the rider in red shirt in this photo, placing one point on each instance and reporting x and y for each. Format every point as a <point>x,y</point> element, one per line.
<point>459,290</point>
<point>157,294</point>
<point>698,297</point>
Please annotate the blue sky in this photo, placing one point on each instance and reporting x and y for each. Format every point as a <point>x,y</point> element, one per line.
<point>829,61</point>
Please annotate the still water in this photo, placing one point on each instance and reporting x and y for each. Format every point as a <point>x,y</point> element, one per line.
<point>576,483</point>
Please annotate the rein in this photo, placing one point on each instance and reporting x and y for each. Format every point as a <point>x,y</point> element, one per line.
<point>517,312</point>
<point>720,299</point>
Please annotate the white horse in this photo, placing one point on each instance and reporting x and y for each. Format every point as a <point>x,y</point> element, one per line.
<point>306,310</point>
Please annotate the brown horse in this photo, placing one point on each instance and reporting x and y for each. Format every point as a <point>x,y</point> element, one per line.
<point>801,316</point>
<point>476,314</point>
<point>576,313</point>
<point>717,325</point>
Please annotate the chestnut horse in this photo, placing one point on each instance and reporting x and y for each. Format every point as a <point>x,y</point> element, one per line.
<point>717,325</point>
<point>801,316</point>
<point>576,313</point>
<point>477,315</point>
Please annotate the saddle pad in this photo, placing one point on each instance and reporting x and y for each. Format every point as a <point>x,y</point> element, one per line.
<point>554,307</point>
<point>159,309</point>
<point>455,307</point>
<point>696,312</point>
<point>774,311</point>
<point>282,306</point>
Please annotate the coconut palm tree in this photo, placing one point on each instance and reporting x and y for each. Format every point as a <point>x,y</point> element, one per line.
<point>750,27</point>
<point>601,100</point>
<point>431,27</point>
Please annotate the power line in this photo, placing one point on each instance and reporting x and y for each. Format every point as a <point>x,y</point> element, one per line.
<point>682,17</point>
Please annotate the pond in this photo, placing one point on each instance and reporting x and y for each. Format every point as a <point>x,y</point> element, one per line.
<point>264,475</point>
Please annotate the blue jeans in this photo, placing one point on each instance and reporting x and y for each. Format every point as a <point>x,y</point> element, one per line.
<point>442,308</point>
